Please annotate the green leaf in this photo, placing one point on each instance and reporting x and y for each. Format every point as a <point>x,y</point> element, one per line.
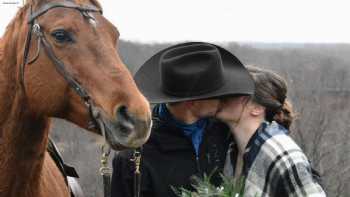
<point>204,188</point>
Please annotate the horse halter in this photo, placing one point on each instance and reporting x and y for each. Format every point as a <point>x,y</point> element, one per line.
<point>60,67</point>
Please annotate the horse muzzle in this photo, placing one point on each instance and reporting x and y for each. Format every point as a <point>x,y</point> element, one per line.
<point>126,130</point>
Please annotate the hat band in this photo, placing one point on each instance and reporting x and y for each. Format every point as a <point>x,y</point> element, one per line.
<point>192,91</point>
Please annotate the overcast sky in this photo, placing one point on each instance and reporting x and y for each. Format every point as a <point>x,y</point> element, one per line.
<point>223,20</point>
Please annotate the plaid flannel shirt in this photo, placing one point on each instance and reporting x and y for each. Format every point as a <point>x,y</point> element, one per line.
<point>275,166</point>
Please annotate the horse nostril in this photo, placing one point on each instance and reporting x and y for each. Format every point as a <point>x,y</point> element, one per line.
<point>125,120</point>
<point>122,110</point>
<point>123,115</point>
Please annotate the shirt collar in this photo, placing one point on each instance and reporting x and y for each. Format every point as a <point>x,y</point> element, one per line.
<point>265,131</point>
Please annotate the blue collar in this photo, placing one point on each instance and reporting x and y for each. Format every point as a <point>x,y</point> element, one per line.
<point>194,131</point>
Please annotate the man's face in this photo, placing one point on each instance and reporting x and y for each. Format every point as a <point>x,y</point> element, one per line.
<point>205,108</point>
<point>231,108</point>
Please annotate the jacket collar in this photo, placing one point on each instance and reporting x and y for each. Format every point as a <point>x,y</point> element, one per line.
<point>168,136</point>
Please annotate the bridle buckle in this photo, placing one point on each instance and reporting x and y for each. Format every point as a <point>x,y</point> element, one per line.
<point>37,29</point>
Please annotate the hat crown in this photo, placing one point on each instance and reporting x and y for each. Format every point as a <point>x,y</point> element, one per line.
<point>192,69</point>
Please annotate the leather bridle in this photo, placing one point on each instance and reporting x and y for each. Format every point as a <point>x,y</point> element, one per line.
<point>97,122</point>
<point>35,28</point>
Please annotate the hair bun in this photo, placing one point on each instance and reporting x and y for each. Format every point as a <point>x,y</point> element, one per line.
<point>286,115</point>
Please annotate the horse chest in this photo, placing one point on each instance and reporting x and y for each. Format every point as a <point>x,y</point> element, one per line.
<point>52,182</point>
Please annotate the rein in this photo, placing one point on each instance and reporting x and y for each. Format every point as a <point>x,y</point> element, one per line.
<point>97,122</point>
<point>137,173</point>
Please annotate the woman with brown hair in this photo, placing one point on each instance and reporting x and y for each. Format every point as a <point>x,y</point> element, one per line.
<point>271,163</point>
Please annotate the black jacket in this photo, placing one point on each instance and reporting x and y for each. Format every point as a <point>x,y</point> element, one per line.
<point>169,159</point>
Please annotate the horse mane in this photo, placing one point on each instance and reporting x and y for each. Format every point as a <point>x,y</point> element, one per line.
<point>9,62</point>
<point>8,43</point>
<point>1,50</point>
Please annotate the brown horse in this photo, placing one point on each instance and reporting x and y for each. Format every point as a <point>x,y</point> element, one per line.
<point>85,43</point>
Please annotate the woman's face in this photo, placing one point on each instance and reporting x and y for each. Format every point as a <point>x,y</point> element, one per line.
<point>231,109</point>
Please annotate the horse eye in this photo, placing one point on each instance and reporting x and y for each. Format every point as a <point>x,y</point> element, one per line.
<point>61,36</point>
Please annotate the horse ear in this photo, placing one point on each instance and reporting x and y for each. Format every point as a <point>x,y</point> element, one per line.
<point>96,3</point>
<point>37,3</point>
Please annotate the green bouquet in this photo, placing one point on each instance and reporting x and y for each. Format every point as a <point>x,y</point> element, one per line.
<point>203,188</point>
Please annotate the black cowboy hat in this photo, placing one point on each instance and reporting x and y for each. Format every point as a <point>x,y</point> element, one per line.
<point>191,71</point>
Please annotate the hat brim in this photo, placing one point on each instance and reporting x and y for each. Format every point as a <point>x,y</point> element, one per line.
<point>237,80</point>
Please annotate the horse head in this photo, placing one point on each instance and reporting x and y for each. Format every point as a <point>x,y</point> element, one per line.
<point>75,36</point>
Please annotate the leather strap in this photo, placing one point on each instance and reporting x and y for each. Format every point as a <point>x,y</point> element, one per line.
<point>137,172</point>
<point>64,4</point>
<point>107,186</point>
<point>25,56</point>
<point>61,68</point>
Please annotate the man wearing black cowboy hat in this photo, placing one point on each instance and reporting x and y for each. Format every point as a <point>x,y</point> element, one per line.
<point>185,81</point>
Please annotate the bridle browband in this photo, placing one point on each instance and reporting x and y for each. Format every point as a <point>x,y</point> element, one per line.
<point>64,4</point>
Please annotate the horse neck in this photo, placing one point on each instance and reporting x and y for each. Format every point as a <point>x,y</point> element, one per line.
<point>23,134</point>
<point>22,150</point>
